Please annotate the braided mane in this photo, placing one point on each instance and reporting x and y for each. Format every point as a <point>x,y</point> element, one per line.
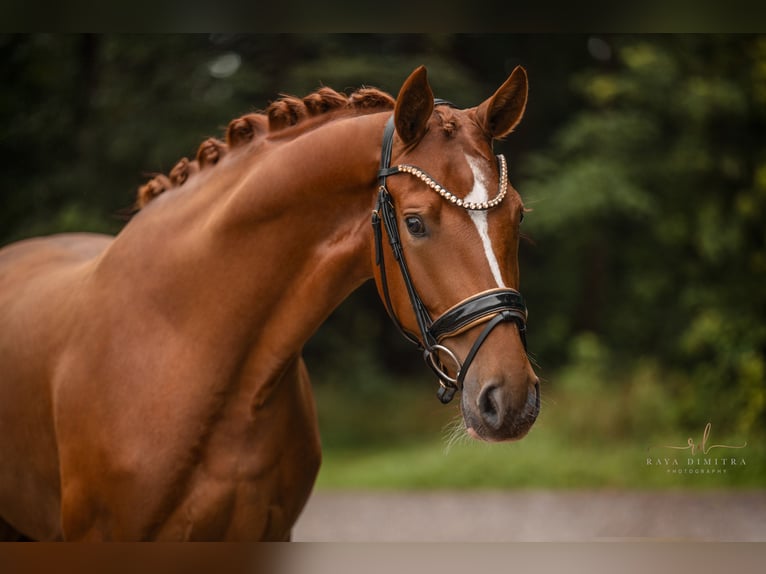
<point>285,112</point>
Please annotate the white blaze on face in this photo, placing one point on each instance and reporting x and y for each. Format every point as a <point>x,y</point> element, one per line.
<point>478,194</point>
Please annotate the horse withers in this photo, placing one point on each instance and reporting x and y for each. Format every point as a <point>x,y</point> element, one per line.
<point>151,384</point>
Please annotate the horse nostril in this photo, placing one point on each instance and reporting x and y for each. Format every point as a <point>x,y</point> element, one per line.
<point>489,405</point>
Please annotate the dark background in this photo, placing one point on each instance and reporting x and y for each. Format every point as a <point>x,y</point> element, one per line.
<point>643,158</point>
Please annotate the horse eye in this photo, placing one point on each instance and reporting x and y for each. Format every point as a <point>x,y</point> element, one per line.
<point>415,225</point>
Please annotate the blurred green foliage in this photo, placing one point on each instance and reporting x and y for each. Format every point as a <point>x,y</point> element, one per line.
<point>642,158</point>
<point>651,195</point>
<point>592,433</point>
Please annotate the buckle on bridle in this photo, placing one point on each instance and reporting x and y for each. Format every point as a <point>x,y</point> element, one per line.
<point>445,393</point>
<point>433,359</point>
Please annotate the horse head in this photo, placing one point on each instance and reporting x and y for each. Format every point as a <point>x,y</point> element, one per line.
<point>450,279</point>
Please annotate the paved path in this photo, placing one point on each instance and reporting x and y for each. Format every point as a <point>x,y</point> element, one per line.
<point>532,516</point>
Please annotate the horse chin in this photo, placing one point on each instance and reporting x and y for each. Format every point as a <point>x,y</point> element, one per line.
<point>473,434</point>
<point>483,436</point>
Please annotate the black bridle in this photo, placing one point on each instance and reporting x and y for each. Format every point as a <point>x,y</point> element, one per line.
<point>491,307</point>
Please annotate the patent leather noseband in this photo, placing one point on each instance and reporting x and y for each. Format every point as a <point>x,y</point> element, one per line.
<point>491,307</point>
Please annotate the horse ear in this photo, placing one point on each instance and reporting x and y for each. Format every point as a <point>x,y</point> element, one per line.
<point>414,105</point>
<point>503,111</point>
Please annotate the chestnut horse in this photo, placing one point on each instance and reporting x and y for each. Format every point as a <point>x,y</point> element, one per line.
<point>151,384</point>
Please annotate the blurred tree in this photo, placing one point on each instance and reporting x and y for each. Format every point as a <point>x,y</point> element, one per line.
<point>642,157</point>
<point>85,119</point>
<point>649,220</point>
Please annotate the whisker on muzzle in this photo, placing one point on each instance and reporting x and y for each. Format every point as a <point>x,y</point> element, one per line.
<point>533,361</point>
<point>455,433</point>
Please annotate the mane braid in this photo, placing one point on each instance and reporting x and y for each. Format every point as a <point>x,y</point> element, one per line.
<point>285,112</point>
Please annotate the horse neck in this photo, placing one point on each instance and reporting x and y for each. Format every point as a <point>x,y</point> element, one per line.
<point>304,212</point>
<point>273,252</point>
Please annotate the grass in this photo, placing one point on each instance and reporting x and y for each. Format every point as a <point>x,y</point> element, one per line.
<point>396,437</point>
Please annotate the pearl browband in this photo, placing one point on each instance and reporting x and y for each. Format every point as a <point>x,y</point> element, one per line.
<point>451,197</point>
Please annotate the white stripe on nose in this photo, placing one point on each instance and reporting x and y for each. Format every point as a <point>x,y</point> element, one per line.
<point>480,194</point>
